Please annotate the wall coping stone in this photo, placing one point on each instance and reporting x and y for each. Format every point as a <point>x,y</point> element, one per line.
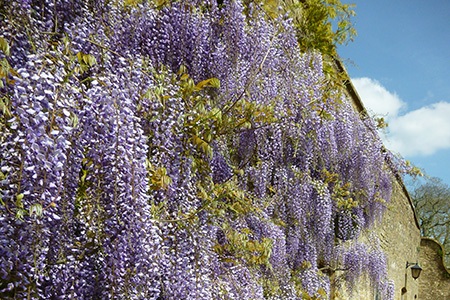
<point>428,239</point>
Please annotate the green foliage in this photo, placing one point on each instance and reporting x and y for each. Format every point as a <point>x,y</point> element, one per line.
<point>342,193</point>
<point>239,245</point>
<point>86,61</point>
<point>21,211</point>
<point>76,64</point>
<point>6,71</point>
<point>88,212</point>
<point>159,3</point>
<point>4,46</point>
<point>314,21</point>
<point>206,121</point>
<point>5,115</point>
<point>227,198</point>
<point>413,170</point>
<point>132,3</point>
<point>35,209</point>
<point>5,108</point>
<point>158,178</point>
<point>381,123</point>
<point>83,184</point>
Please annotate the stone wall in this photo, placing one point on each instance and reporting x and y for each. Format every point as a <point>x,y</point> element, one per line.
<point>435,278</point>
<point>399,236</point>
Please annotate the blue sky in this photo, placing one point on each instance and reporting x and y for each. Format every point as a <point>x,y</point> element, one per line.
<point>400,66</point>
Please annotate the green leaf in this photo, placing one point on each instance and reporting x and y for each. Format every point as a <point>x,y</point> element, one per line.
<point>132,3</point>
<point>211,82</point>
<point>271,7</point>
<point>4,46</point>
<point>5,68</point>
<point>182,70</point>
<point>19,198</point>
<point>161,3</point>
<point>251,246</point>
<point>20,213</point>
<point>74,120</point>
<point>4,108</point>
<point>83,176</point>
<point>202,145</point>
<point>159,179</point>
<point>35,209</point>
<point>184,77</point>
<point>91,60</point>
<point>86,60</point>
<point>80,57</point>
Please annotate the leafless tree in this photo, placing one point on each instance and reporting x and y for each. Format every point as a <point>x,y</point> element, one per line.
<point>431,198</point>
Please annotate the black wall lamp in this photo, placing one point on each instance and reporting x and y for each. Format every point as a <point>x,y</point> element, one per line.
<point>415,269</point>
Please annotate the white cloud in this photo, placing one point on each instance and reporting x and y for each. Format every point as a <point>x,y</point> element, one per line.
<point>420,132</point>
<point>377,100</point>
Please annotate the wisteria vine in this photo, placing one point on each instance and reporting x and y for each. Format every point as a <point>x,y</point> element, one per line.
<point>177,150</point>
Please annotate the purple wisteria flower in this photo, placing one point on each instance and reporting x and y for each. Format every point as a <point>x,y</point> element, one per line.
<point>118,177</point>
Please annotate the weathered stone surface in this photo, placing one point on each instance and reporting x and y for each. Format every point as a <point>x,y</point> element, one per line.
<point>435,278</point>
<point>399,234</point>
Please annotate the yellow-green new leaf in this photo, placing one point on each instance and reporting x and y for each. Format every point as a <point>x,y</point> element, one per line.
<point>4,46</point>
<point>159,179</point>
<point>211,82</point>
<point>35,209</point>
<point>19,198</point>
<point>20,213</point>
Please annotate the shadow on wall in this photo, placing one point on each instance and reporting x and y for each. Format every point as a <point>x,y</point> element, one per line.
<point>435,278</point>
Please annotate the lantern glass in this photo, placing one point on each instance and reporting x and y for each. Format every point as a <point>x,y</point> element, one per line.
<point>415,271</point>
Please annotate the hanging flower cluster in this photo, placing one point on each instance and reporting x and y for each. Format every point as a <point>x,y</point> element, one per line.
<point>181,150</point>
